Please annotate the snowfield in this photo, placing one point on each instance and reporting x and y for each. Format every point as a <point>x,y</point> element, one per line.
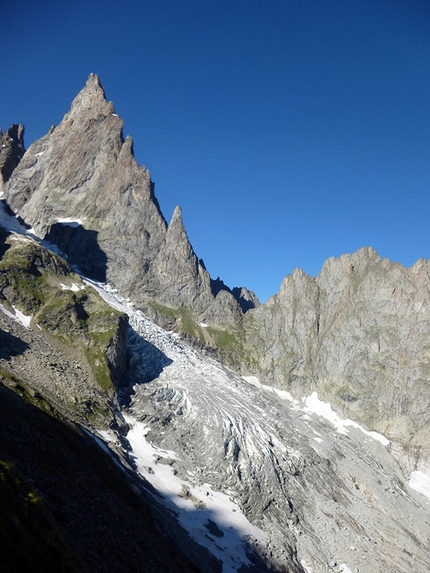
<point>209,516</point>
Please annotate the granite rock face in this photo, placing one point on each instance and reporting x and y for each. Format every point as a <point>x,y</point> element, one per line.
<point>11,151</point>
<point>358,334</point>
<point>81,188</point>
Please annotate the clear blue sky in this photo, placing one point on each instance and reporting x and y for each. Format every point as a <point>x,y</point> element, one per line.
<point>289,131</point>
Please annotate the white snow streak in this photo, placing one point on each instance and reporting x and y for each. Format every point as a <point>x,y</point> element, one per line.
<point>18,316</point>
<point>420,482</point>
<point>315,406</point>
<point>197,506</point>
<point>70,221</point>
<point>283,394</point>
<point>74,287</point>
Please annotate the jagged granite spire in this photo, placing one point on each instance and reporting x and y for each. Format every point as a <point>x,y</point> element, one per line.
<point>11,151</point>
<point>84,171</point>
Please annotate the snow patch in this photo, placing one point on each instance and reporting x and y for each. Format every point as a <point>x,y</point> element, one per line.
<point>282,394</point>
<point>22,318</point>
<point>344,568</point>
<point>420,482</point>
<point>73,287</point>
<point>38,154</point>
<point>316,406</point>
<point>18,316</point>
<point>209,516</point>
<point>70,221</point>
<point>306,567</point>
<point>105,435</point>
<point>204,325</point>
<point>18,237</point>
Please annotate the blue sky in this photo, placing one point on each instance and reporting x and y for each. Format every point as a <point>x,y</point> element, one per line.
<point>288,131</point>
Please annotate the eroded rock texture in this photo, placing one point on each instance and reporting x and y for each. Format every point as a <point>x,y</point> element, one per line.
<point>85,172</point>
<point>11,151</point>
<point>358,334</point>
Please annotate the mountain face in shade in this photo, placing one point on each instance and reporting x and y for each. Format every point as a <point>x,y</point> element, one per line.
<point>81,188</point>
<point>11,151</point>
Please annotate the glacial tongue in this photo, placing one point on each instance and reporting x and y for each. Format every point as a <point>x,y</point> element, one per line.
<point>327,494</point>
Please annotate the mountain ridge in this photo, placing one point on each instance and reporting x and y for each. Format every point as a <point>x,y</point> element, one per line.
<point>83,169</point>
<point>356,336</point>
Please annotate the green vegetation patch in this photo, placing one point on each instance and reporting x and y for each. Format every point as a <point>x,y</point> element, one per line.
<point>41,284</point>
<point>223,339</point>
<point>179,318</point>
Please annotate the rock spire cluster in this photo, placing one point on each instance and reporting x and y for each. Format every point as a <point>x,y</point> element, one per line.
<point>84,171</point>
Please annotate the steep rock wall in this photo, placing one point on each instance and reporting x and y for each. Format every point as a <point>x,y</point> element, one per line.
<point>359,334</point>
<point>81,188</point>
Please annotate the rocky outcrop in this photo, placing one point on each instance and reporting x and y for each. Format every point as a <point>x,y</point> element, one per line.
<point>81,188</point>
<point>11,151</point>
<point>66,327</point>
<point>358,334</point>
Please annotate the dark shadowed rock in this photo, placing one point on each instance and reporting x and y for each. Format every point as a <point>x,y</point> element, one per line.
<point>11,151</point>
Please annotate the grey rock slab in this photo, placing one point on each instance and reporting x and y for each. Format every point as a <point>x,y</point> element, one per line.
<point>358,333</point>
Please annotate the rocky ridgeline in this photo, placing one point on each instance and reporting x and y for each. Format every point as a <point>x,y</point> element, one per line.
<point>358,334</point>
<point>83,170</point>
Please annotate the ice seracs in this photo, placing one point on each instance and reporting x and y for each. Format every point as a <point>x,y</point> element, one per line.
<point>314,483</point>
<point>209,516</point>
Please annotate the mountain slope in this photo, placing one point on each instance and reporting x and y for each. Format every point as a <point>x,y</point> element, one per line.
<point>358,334</point>
<point>310,491</point>
<point>326,492</point>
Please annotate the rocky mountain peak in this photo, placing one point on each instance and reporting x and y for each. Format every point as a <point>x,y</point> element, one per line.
<point>81,187</point>
<point>176,223</point>
<point>91,100</point>
<point>11,151</point>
